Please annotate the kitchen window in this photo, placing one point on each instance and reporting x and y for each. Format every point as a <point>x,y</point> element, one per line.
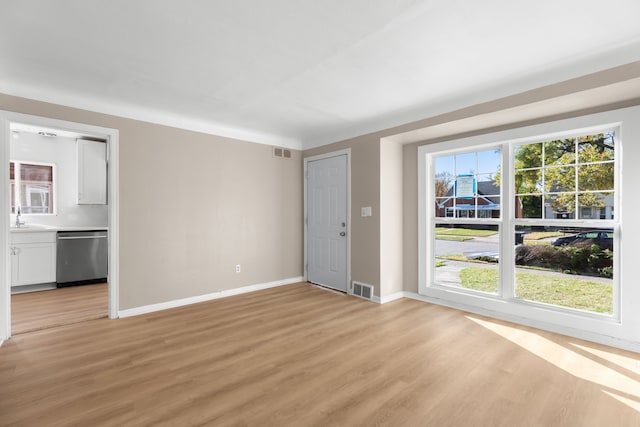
<point>32,187</point>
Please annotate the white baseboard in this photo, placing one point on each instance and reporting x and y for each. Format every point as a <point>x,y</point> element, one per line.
<point>388,298</point>
<point>208,297</point>
<point>550,327</point>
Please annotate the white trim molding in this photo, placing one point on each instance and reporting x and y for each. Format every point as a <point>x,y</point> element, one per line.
<point>388,298</point>
<point>113,199</point>
<point>5,261</point>
<point>7,118</point>
<point>144,114</point>
<point>136,311</point>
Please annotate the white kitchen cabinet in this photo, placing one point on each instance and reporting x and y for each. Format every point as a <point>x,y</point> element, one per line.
<point>33,258</point>
<point>92,172</point>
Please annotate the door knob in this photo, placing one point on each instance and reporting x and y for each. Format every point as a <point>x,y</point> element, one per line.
<point>342,233</point>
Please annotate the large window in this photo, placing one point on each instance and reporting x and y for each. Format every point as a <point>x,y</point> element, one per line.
<point>31,188</point>
<point>530,221</point>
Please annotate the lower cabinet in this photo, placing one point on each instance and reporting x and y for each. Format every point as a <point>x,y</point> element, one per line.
<point>33,258</point>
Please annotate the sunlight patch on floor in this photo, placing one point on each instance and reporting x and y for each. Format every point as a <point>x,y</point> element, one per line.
<point>631,363</point>
<point>618,375</point>
<point>634,404</point>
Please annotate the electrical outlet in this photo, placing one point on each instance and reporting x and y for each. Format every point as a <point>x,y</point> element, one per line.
<point>237,268</point>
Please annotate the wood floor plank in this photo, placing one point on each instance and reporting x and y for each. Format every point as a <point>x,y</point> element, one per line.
<point>300,356</point>
<point>32,311</point>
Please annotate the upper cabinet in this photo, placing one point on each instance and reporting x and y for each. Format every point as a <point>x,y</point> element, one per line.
<point>92,172</point>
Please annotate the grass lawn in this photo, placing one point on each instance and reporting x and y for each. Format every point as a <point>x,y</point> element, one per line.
<point>443,231</point>
<point>539,235</point>
<point>566,292</point>
<point>454,257</point>
<point>537,242</point>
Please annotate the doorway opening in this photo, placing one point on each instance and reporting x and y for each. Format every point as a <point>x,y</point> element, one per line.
<point>60,260</point>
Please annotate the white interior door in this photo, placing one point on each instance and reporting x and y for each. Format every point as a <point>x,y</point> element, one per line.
<point>327,222</point>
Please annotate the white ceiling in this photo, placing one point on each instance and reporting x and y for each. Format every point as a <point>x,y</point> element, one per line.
<point>301,73</point>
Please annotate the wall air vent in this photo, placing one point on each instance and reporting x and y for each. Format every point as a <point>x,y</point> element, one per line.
<point>48,134</point>
<point>362,290</point>
<point>283,153</point>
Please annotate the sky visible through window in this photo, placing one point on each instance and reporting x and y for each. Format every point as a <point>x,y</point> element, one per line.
<point>487,161</point>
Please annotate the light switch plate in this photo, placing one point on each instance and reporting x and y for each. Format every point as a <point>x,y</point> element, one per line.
<point>366,211</point>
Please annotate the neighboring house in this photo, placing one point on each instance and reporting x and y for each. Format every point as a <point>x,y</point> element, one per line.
<point>486,203</point>
<point>586,212</point>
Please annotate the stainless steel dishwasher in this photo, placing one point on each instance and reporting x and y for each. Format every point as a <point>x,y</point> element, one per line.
<point>81,257</point>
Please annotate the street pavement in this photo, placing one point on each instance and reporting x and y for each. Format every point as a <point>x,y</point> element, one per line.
<point>473,248</point>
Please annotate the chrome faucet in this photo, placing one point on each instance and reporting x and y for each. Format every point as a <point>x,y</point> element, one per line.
<point>18,222</point>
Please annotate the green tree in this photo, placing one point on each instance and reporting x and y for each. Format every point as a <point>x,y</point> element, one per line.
<point>564,169</point>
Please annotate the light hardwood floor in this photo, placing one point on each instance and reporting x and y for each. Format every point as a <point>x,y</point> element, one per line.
<point>298,355</point>
<point>48,309</point>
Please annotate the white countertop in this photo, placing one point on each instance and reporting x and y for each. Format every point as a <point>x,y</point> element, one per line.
<point>35,228</point>
<point>82,228</point>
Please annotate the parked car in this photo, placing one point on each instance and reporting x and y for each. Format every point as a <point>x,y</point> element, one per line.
<point>602,238</point>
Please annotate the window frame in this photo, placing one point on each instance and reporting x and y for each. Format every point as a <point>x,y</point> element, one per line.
<point>15,191</point>
<point>505,301</point>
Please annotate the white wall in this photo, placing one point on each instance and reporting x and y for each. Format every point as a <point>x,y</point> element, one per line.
<point>391,280</point>
<point>61,152</point>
